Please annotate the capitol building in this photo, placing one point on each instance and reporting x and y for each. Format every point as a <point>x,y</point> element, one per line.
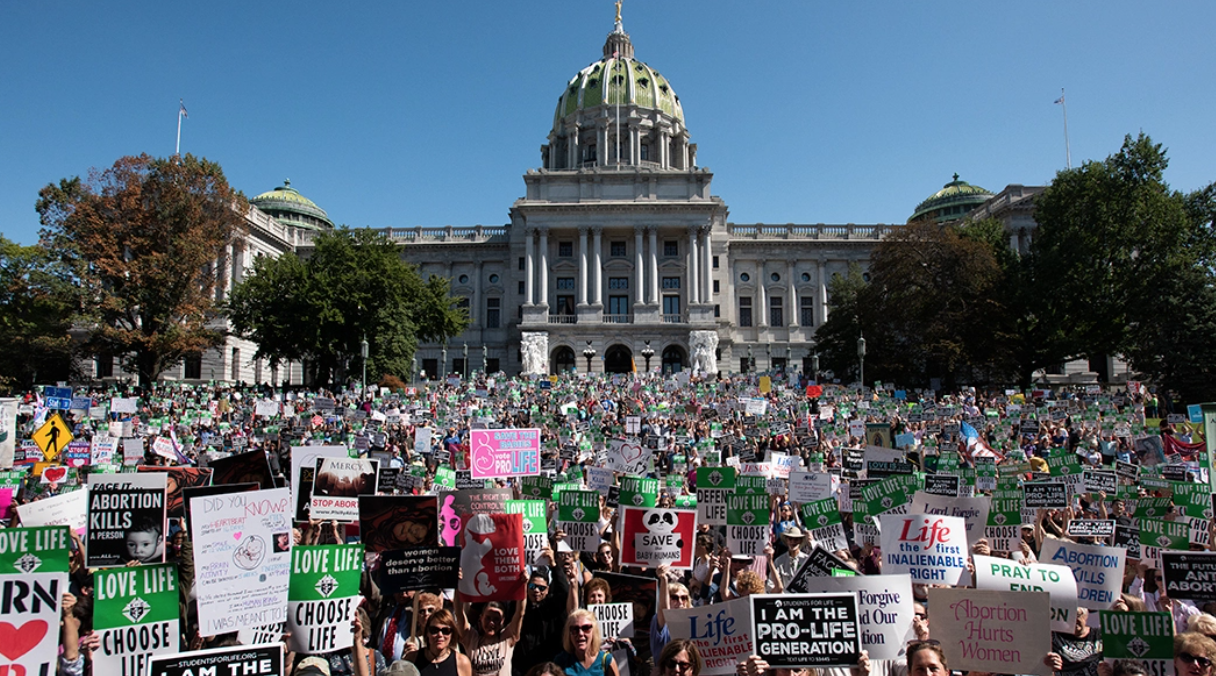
<point>617,258</point>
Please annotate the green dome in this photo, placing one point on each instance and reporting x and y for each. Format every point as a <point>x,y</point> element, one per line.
<point>952,202</point>
<point>289,207</point>
<point>618,79</point>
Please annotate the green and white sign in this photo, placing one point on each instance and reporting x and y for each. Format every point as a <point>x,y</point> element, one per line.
<point>1138,636</point>
<point>714,486</point>
<point>36,560</point>
<point>322,597</point>
<point>536,527</point>
<point>822,519</point>
<point>136,612</point>
<point>538,487</point>
<point>747,524</point>
<point>639,491</point>
<point>578,514</point>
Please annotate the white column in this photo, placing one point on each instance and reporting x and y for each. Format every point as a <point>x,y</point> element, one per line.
<point>544,266</point>
<point>823,293</point>
<point>762,298</point>
<point>572,144</point>
<point>582,266</point>
<point>654,265</point>
<point>793,296</point>
<point>475,306</point>
<point>639,268</point>
<point>597,266</point>
<point>694,292</point>
<point>529,286</point>
<point>707,270</point>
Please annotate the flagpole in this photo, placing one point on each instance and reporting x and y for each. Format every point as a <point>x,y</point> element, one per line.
<point>181,109</point>
<point>1067,150</point>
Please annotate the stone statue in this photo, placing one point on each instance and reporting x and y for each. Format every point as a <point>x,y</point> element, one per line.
<point>704,346</point>
<point>618,11</point>
<point>535,348</point>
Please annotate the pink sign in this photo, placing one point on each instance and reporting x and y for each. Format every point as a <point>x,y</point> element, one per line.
<point>497,454</point>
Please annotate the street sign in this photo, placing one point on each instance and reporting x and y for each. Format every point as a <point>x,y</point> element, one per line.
<point>53,437</point>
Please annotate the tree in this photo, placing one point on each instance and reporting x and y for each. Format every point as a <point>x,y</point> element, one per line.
<point>320,308</point>
<point>836,339</point>
<point>147,240</point>
<point>38,303</point>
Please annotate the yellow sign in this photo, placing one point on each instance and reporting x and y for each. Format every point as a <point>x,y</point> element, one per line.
<point>53,437</point>
<point>766,384</point>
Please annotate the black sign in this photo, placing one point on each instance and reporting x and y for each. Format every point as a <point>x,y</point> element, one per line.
<point>795,631</point>
<point>465,480</point>
<point>419,568</point>
<point>613,498</point>
<point>1174,473</point>
<point>1098,482</point>
<point>881,469</point>
<point>1128,537</point>
<point>1046,495</point>
<point>1091,528</point>
<point>942,484</point>
<point>1127,470</point>
<point>1190,575</point>
<point>386,482</point>
<point>247,660</point>
<point>820,563</point>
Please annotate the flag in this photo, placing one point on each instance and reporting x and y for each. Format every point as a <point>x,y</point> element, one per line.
<point>1060,100</point>
<point>182,459</point>
<point>182,110</point>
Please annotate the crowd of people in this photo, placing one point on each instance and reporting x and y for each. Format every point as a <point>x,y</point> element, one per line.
<point>773,424</point>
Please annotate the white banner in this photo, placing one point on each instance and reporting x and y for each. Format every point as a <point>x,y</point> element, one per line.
<point>933,549</point>
<point>66,509</point>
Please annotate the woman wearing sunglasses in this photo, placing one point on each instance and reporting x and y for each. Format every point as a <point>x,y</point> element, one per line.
<point>679,658</point>
<point>582,656</point>
<point>1193,654</point>
<point>439,657</point>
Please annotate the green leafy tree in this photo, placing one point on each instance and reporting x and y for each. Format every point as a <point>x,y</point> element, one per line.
<point>38,303</point>
<point>353,285</point>
<point>836,339</point>
<point>146,240</point>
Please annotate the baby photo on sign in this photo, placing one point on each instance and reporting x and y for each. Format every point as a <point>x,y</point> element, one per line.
<point>126,519</point>
<point>398,521</point>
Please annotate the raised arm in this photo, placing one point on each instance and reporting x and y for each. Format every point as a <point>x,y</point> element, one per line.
<point>517,621</point>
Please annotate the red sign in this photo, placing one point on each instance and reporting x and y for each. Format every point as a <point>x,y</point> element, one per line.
<point>492,558</point>
<point>655,536</point>
<point>814,391</point>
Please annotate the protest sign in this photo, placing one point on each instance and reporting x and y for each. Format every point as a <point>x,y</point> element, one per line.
<point>714,486</point>
<point>190,492</point>
<point>536,529</point>
<point>492,558</point>
<point>822,519</point>
<point>1045,495</point>
<point>136,612</point>
<point>422,440</point>
<point>942,484</point>
<point>245,660</point>
<point>747,524</point>
<point>500,453</point>
<point>1057,581</point>
<point>930,548</point>
<point>536,487</point>
<point>820,563</point>
<point>578,514</point>
<point>1190,575</point>
<point>1095,481</point>
<point>796,631</point>
<point>124,404</point>
<point>627,456</point>
<point>303,471</point>
<point>126,519</point>
<point>973,511</point>
<point>34,576</point>
<point>398,521</point>
<point>810,486</point>
<point>722,633</point>
<point>615,619</point>
<point>177,479</point>
<point>455,506</point>
<point>66,509</point>
<point>1091,528</point>
<point>322,597</point>
<point>242,468</point>
<point>884,609</point>
<point>639,491</point>
<point>1098,570</point>
<point>992,631</point>
<point>338,484</point>
<point>652,537</point>
<point>242,552</point>
<point>1148,637</point>
<point>416,568</point>
<point>1157,534</point>
<point>269,633</point>
<point>1003,531</point>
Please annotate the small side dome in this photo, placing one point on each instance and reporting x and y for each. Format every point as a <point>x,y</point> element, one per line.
<point>286,205</point>
<point>952,202</point>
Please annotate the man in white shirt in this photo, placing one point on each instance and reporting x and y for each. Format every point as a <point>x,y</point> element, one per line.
<point>788,563</point>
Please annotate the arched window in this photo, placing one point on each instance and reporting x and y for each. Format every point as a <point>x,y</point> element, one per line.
<point>563,360</point>
<point>673,359</point>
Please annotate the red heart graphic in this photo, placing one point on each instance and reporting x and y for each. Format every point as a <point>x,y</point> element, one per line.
<point>16,642</point>
<point>55,474</point>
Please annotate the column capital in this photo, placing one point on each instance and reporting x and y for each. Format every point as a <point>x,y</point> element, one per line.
<point>597,229</point>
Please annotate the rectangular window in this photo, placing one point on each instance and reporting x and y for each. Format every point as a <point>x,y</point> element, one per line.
<point>458,366</point>
<point>462,302</point>
<point>671,282</point>
<point>618,282</point>
<point>236,363</point>
<point>522,288</point>
<point>745,310</point>
<point>807,311</point>
<point>192,367</point>
<point>565,305</point>
<point>779,363</point>
<point>565,249</point>
<point>493,313</point>
<point>105,365</point>
<point>618,305</point>
<point>431,367</point>
<point>671,306</point>
<point>744,364</point>
<point>671,248</point>
<point>617,250</point>
<point>776,316</point>
<point>716,289</point>
<point>565,283</point>
<point>715,262</point>
<point>522,263</point>
<point>717,310</point>
<point>492,365</point>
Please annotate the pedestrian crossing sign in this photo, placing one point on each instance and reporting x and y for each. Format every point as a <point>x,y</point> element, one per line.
<point>53,437</point>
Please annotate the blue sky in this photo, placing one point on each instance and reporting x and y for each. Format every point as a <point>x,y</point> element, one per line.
<point>409,113</point>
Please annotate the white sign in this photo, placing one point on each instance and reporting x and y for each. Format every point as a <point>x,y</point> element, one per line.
<point>991,631</point>
<point>973,511</point>
<point>615,619</point>
<point>241,557</point>
<point>1058,581</point>
<point>124,405</point>
<point>721,631</point>
<point>1098,570</point>
<point>884,608</point>
<point>812,486</point>
<point>66,509</point>
<point>931,548</point>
